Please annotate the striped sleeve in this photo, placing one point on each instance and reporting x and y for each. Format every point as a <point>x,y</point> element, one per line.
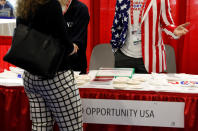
<point>166,20</point>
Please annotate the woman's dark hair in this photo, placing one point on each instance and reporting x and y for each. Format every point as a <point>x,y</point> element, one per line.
<point>28,7</point>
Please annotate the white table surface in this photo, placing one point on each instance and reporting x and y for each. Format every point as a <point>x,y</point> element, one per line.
<point>161,83</point>
<point>9,78</point>
<point>7,27</point>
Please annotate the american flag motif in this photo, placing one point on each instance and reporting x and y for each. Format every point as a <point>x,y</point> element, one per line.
<point>156,18</point>
<point>66,5</point>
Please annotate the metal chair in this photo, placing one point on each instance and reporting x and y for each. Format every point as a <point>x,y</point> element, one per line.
<point>102,56</point>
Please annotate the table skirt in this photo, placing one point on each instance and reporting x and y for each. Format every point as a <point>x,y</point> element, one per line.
<point>14,108</point>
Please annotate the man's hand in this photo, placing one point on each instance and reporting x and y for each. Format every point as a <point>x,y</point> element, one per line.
<point>75,49</point>
<point>181,30</point>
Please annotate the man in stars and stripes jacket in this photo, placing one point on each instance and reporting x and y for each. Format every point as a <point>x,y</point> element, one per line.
<point>156,17</point>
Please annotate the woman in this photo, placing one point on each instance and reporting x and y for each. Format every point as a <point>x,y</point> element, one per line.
<point>57,99</point>
<point>77,20</point>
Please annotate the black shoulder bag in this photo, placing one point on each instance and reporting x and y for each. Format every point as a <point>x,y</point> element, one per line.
<point>35,52</point>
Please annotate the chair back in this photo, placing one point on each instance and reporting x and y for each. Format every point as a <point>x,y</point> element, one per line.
<point>170,59</point>
<point>102,56</point>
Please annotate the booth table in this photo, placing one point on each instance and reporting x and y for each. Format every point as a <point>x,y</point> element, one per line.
<point>14,108</point>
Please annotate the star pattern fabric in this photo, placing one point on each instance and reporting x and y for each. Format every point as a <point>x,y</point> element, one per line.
<point>120,21</point>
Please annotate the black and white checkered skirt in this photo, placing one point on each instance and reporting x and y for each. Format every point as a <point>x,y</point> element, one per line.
<point>52,100</point>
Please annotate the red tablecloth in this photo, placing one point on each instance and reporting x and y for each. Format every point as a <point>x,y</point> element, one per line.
<point>14,108</point>
<point>5,42</point>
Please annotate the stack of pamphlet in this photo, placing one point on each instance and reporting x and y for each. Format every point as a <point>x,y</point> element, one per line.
<point>104,76</point>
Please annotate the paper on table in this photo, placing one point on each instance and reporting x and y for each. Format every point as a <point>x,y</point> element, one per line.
<point>11,82</point>
<point>117,72</point>
<point>8,74</point>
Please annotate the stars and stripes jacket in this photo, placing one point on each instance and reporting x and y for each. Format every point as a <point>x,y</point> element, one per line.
<point>155,19</point>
